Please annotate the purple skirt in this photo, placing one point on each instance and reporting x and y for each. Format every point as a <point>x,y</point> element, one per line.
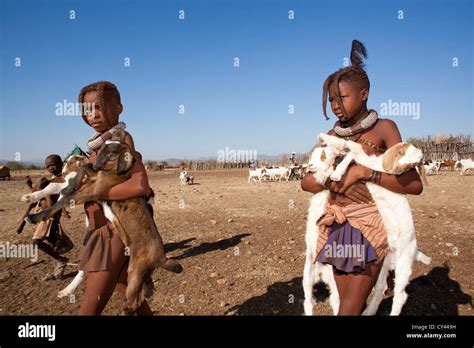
<point>346,249</point>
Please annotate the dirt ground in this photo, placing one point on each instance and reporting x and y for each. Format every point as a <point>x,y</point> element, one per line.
<point>242,247</point>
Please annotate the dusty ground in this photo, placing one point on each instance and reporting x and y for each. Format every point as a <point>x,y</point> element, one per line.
<point>242,247</point>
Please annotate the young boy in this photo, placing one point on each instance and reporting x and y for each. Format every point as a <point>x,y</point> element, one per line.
<point>46,234</point>
<point>348,90</point>
<point>103,253</point>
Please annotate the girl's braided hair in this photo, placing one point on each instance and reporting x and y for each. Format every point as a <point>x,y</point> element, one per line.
<point>102,88</point>
<point>355,72</point>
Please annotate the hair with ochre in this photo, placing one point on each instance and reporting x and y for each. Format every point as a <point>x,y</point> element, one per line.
<point>103,88</point>
<point>352,73</point>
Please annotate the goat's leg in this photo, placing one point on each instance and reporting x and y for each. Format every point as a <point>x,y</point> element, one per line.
<point>403,272</point>
<point>21,227</point>
<point>379,289</point>
<point>68,195</point>
<point>308,282</point>
<point>147,288</point>
<point>69,290</point>
<point>74,194</point>
<point>341,168</point>
<point>135,282</point>
<point>77,197</point>
<point>23,222</point>
<point>49,212</point>
<point>52,188</point>
<point>328,278</point>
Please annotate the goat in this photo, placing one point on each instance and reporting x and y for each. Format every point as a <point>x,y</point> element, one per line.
<point>256,174</point>
<point>465,165</point>
<point>450,163</point>
<point>278,173</point>
<point>131,218</point>
<point>185,178</point>
<point>432,167</point>
<point>400,232</point>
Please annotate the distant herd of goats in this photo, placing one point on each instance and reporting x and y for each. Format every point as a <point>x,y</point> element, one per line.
<point>296,172</point>
<point>433,167</point>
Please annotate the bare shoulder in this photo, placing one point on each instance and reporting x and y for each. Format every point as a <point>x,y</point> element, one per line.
<point>387,124</point>
<point>131,144</point>
<point>388,131</point>
<point>129,141</point>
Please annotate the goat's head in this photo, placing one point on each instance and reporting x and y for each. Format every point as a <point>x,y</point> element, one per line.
<point>332,141</point>
<point>114,155</point>
<point>73,163</point>
<point>401,157</point>
<point>321,162</point>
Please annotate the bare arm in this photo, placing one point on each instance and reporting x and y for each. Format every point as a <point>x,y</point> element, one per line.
<point>407,183</point>
<point>136,186</point>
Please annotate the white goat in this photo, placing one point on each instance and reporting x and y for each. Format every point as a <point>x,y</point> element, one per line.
<point>432,167</point>
<point>185,178</point>
<point>400,232</point>
<point>278,173</point>
<point>256,174</point>
<point>464,164</point>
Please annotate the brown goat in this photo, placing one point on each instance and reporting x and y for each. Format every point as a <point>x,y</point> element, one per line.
<point>131,218</point>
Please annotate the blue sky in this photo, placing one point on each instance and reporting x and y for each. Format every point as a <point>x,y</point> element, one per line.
<point>190,62</point>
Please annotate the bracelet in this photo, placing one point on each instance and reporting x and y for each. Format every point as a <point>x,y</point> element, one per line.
<point>327,184</point>
<point>372,176</point>
<point>375,177</point>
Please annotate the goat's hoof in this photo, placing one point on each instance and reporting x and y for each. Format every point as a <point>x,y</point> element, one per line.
<point>335,177</point>
<point>26,198</point>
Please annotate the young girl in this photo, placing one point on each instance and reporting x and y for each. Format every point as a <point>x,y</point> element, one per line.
<point>348,90</point>
<point>103,253</point>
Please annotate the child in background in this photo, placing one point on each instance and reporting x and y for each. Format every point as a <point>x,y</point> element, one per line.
<point>47,232</point>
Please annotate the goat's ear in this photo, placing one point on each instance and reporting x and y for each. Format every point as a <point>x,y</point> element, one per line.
<point>125,162</point>
<point>100,160</point>
<point>391,156</point>
<point>323,156</point>
<point>118,136</point>
<point>403,148</point>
